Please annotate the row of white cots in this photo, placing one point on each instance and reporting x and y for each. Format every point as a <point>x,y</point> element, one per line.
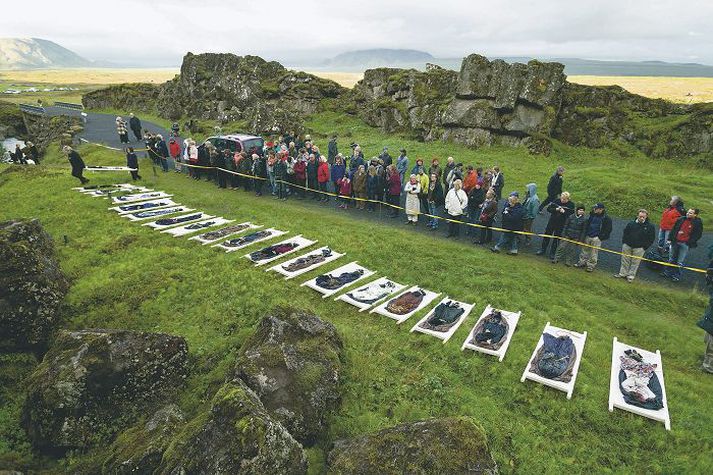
<point>139,204</point>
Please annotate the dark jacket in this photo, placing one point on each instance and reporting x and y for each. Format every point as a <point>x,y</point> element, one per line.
<point>135,123</point>
<point>162,148</point>
<point>312,167</point>
<point>639,234</point>
<point>475,199</point>
<point>280,170</point>
<point>76,161</point>
<point>436,195</point>
<point>696,231</point>
<point>386,159</point>
<point>337,172</point>
<point>558,219</point>
<point>332,150</point>
<point>373,185</point>
<point>605,230</point>
<point>513,217</point>
<point>554,187</point>
<point>574,227</point>
<point>132,161</point>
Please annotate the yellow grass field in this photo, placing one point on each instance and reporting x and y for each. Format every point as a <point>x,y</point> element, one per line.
<point>88,76</point>
<point>684,90</point>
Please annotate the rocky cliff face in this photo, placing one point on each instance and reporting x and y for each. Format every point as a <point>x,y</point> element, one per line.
<point>488,102</point>
<point>263,94</point>
<point>493,102</point>
<point>485,103</point>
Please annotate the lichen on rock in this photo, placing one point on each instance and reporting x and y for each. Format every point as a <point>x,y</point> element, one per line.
<point>293,363</point>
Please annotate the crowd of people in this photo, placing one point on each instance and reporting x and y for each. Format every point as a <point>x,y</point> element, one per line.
<point>25,155</point>
<point>293,167</point>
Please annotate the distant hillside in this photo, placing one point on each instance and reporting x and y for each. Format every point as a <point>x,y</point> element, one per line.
<point>35,53</point>
<point>369,58</point>
<point>358,61</point>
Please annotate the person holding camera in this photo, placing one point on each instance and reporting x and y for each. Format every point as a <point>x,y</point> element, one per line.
<point>560,209</point>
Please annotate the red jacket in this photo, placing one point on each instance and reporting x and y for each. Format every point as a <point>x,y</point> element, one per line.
<point>174,149</point>
<point>345,187</point>
<point>394,183</point>
<point>300,167</point>
<point>323,172</point>
<point>669,217</point>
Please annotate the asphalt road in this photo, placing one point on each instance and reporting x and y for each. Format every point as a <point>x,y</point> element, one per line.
<point>101,128</point>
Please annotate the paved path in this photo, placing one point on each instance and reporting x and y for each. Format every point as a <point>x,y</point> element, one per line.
<point>101,128</point>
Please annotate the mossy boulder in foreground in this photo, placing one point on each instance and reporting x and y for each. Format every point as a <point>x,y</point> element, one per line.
<point>140,448</point>
<point>32,285</point>
<point>293,364</point>
<point>93,383</point>
<point>236,435</point>
<point>452,445</point>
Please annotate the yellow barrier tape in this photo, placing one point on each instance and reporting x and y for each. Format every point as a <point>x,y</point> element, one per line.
<point>448,220</point>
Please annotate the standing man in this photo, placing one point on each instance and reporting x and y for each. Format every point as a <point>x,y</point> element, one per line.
<point>135,126</point>
<point>684,236</point>
<point>77,163</point>
<point>386,158</point>
<point>706,321</point>
<point>332,149</point>
<point>162,150</point>
<point>639,234</point>
<point>402,164</point>
<point>531,204</point>
<point>498,182</point>
<point>450,165</point>
<point>554,188</point>
<point>513,215</point>
<point>560,209</point>
<point>597,230</point>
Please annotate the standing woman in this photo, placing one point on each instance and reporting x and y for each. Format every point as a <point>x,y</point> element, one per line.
<point>77,163</point>
<point>359,187</point>
<point>456,206</point>
<point>132,161</point>
<point>413,203</point>
<point>393,183</point>
<point>373,185</point>
<point>122,130</point>
<point>434,199</point>
<point>192,158</point>
<point>488,212</point>
<point>323,178</point>
<point>271,160</point>
<point>423,195</point>
<point>258,170</point>
<point>338,171</point>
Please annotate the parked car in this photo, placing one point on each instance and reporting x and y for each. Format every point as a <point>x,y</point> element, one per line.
<point>238,142</point>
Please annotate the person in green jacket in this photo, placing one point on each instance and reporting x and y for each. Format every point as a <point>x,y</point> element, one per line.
<point>532,207</point>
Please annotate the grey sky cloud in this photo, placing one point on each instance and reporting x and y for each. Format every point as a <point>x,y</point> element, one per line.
<point>160,32</point>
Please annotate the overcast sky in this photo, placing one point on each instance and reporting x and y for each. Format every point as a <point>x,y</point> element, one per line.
<point>159,32</point>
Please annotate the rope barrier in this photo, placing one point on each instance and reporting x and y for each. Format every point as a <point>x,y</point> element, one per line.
<point>441,218</point>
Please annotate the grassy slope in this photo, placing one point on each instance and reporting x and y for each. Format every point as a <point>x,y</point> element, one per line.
<point>128,276</point>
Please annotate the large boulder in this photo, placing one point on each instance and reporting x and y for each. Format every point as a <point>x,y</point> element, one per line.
<point>140,448</point>
<point>236,435</point>
<point>93,383</point>
<point>32,285</point>
<point>293,364</point>
<point>453,445</point>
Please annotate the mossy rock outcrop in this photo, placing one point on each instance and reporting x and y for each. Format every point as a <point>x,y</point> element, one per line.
<point>93,383</point>
<point>32,285</point>
<point>293,363</point>
<point>139,449</point>
<point>236,435</point>
<point>453,445</point>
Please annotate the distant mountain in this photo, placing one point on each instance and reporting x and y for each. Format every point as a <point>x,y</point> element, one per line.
<point>371,58</point>
<point>35,53</point>
<point>358,61</point>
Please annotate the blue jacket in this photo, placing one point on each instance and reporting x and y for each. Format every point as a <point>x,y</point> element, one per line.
<point>338,172</point>
<point>402,164</point>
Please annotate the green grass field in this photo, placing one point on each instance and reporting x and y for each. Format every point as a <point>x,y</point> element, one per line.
<point>127,276</point>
